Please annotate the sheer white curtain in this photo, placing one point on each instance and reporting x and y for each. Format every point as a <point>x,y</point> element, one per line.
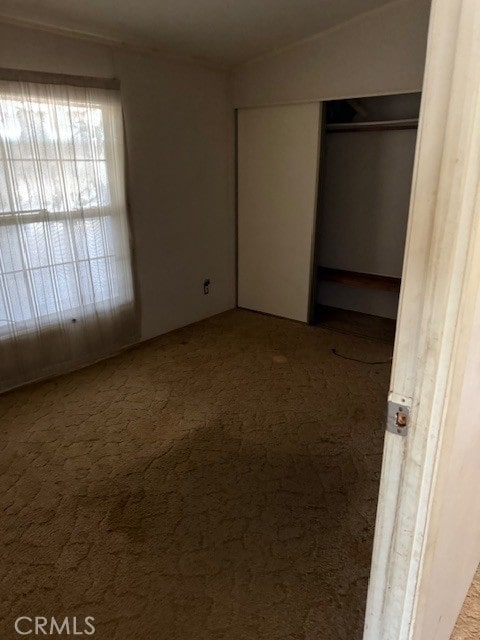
<point>66,293</point>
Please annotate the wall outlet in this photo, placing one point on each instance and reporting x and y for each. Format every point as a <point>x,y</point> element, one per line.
<point>206,286</point>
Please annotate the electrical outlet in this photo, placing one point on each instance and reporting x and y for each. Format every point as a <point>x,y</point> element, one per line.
<point>206,286</point>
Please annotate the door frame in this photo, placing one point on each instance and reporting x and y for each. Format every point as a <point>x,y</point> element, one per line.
<point>312,303</point>
<point>441,273</point>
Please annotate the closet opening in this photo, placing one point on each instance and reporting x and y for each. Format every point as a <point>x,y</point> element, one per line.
<point>365,175</point>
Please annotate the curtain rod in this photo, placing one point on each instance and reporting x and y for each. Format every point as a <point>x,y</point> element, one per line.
<point>20,75</point>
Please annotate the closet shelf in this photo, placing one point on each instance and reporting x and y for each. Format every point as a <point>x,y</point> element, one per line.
<point>363,280</point>
<point>384,125</point>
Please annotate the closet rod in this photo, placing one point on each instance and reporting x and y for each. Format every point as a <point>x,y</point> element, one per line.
<point>386,125</point>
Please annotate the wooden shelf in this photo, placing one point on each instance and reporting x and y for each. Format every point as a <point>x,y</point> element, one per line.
<point>363,280</point>
<point>385,125</point>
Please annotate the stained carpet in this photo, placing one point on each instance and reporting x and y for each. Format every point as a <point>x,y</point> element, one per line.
<point>219,482</point>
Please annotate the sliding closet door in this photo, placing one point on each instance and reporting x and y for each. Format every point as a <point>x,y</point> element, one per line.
<point>278,149</point>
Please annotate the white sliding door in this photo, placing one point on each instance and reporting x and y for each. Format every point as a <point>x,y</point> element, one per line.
<point>278,150</point>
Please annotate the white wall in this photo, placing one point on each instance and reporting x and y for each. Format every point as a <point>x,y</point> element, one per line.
<point>179,131</point>
<point>368,177</point>
<point>363,214</point>
<point>378,53</point>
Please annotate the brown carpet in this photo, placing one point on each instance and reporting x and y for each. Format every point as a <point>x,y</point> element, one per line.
<point>219,482</point>
<point>468,623</point>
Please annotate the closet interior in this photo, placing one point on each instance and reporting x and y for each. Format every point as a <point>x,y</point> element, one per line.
<point>365,174</point>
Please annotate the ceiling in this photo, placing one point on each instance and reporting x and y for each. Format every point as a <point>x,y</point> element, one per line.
<point>225,32</point>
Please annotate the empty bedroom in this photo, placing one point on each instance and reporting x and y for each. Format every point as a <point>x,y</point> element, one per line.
<point>204,215</point>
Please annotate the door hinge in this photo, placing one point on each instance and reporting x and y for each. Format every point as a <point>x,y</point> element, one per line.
<point>398,415</point>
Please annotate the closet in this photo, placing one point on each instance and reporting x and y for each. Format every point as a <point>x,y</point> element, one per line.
<point>363,202</point>
<point>323,196</point>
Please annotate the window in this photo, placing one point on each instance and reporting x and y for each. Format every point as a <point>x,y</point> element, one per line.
<point>64,242</point>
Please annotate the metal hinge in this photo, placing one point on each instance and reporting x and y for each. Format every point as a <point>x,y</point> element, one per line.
<point>398,415</point>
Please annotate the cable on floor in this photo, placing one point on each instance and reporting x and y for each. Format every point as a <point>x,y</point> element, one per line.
<point>340,355</point>
<point>353,333</point>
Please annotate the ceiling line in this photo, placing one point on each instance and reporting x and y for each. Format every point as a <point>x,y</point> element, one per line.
<point>115,43</point>
<point>320,34</point>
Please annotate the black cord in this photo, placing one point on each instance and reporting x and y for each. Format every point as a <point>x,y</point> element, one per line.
<point>327,327</point>
<point>339,355</point>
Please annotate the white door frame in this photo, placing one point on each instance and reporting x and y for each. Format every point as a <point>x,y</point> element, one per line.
<point>441,274</point>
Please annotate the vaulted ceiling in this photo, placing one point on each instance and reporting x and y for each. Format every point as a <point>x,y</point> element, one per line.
<point>226,32</point>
